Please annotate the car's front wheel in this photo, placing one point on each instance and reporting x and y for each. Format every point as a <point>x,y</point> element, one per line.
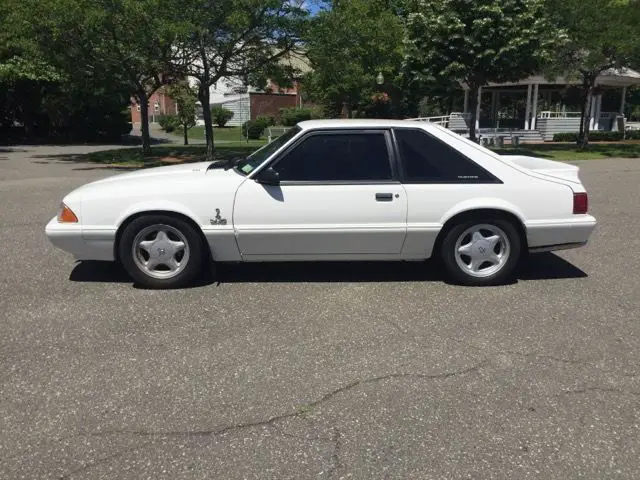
<point>161,251</point>
<point>481,252</point>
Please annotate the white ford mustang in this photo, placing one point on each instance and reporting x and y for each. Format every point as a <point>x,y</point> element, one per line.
<point>332,190</point>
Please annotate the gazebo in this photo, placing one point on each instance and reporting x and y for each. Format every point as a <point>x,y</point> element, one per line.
<point>540,107</point>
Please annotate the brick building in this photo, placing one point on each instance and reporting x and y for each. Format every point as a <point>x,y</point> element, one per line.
<point>160,103</point>
<point>245,101</point>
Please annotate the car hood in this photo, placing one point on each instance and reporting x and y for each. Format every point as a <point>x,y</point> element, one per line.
<point>189,169</point>
<point>167,179</point>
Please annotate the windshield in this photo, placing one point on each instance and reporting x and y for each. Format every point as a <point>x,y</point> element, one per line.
<point>249,164</point>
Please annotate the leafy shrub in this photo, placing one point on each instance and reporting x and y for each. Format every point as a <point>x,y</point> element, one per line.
<point>632,135</point>
<point>169,123</point>
<point>291,116</point>
<point>221,115</point>
<point>269,120</point>
<point>253,129</point>
<point>598,136</point>
<point>429,107</point>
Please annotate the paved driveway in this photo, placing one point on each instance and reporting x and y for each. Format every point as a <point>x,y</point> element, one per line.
<point>317,371</point>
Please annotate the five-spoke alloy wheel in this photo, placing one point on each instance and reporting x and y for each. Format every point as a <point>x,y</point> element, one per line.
<point>161,251</point>
<point>481,252</point>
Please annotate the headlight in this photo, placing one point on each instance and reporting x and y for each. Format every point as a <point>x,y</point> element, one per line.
<point>66,215</point>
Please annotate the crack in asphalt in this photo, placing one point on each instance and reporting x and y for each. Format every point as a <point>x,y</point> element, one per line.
<point>303,409</point>
<point>412,336</point>
<point>336,437</point>
<point>599,389</point>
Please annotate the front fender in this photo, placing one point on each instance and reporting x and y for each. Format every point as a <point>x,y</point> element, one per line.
<point>155,206</point>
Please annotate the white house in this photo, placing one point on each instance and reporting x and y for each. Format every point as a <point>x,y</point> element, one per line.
<point>541,107</point>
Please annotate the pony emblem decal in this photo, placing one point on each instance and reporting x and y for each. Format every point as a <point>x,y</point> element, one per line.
<point>218,220</point>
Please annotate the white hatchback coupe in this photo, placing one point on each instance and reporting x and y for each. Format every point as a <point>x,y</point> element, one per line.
<point>332,190</point>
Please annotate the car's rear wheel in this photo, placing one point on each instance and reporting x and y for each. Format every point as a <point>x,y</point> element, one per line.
<point>161,251</point>
<point>481,251</point>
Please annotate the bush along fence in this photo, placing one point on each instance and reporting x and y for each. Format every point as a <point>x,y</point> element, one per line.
<point>599,136</point>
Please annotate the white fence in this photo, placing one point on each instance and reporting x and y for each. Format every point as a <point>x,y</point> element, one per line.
<point>275,132</point>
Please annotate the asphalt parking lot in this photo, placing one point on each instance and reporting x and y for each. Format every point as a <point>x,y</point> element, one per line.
<point>317,371</point>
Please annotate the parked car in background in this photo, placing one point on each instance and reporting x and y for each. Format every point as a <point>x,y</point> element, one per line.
<point>332,190</point>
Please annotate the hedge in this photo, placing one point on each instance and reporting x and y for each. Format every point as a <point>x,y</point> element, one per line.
<point>253,129</point>
<point>169,123</point>
<point>292,116</point>
<point>598,136</point>
<point>221,115</point>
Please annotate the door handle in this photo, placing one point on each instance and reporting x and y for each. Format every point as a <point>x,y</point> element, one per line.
<point>384,197</point>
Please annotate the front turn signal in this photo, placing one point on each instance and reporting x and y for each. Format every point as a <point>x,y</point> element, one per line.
<point>66,215</point>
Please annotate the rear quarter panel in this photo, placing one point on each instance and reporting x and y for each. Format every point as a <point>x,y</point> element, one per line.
<point>530,197</point>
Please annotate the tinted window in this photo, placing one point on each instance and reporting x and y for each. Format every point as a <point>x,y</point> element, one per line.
<point>337,157</point>
<point>250,163</point>
<point>428,159</point>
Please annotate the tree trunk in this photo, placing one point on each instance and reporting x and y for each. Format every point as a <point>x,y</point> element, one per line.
<point>143,100</point>
<point>583,135</point>
<point>186,137</point>
<point>473,107</point>
<point>203,96</point>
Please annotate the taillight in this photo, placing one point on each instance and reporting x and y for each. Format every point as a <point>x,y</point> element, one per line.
<point>66,215</point>
<point>580,203</point>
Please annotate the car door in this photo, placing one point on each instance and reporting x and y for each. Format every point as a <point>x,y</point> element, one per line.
<point>338,196</point>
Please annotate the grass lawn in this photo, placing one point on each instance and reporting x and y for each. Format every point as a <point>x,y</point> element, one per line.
<point>224,135</point>
<point>172,154</point>
<point>569,151</point>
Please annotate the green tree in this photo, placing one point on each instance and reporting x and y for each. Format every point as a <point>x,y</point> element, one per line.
<point>603,34</point>
<point>53,78</point>
<point>348,46</point>
<point>185,98</point>
<point>237,38</point>
<point>139,37</point>
<point>476,42</point>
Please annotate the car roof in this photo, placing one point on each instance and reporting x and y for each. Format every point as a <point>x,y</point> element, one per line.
<point>363,123</point>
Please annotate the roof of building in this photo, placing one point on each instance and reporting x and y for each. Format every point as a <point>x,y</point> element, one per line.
<point>298,61</point>
<point>615,77</point>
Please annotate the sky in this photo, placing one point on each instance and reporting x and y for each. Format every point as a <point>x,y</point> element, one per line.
<point>312,5</point>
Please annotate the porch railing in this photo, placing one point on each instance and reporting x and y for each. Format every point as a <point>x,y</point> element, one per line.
<point>604,115</point>
<point>549,114</point>
<point>442,120</point>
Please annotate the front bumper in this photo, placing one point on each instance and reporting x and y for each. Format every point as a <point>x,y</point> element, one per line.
<point>69,237</point>
<point>560,235</point>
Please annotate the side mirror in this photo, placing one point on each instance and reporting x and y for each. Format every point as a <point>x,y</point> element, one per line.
<point>268,176</point>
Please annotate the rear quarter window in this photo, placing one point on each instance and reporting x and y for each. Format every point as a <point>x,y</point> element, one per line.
<point>426,159</point>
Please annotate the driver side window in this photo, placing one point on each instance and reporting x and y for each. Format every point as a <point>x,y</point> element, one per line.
<point>336,156</point>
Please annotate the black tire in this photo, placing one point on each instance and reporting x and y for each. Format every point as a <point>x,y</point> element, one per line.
<point>461,276</point>
<point>187,272</point>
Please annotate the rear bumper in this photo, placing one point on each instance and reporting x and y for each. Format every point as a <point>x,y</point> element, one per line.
<point>560,235</point>
<point>69,237</point>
